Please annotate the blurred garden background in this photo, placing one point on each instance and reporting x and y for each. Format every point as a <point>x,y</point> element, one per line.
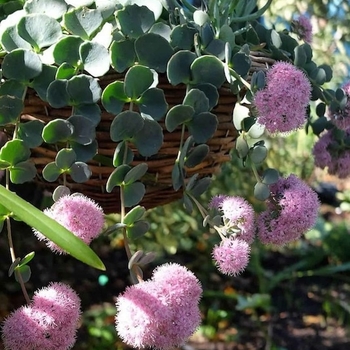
<point>294,297</point>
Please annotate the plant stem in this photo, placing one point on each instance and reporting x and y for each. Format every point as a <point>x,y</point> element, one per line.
<point>12,249</point>
<point>134,268</point>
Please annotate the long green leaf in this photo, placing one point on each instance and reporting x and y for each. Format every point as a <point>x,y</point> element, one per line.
<point>50,228</point>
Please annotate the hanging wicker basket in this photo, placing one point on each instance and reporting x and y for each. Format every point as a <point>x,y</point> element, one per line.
<point>158,182</point>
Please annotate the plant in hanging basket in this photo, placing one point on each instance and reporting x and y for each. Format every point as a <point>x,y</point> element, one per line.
<point>96,94</point>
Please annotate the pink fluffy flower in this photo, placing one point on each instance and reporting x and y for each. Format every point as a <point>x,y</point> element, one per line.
<point>77,213</point>
<point>291,211</point>
<point>238,215</point>
<point>331,152</point>
<point>231,256</point>
<point>303,28</point>
<point>281,105</point>
<point>341,117</point>
<point>45,323</point>
<point>160,313</point>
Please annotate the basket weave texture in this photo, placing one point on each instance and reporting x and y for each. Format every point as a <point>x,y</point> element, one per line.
<point>159,188</point>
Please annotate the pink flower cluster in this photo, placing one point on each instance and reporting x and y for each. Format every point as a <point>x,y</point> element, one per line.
<point>291,211</point>
<point>231,256</point>
<point>48,323</point>
<point>238,216</point>
<point>303,28</point>
<point>77,213</point>
<point>332,153</point>
<point>281,105</point>
<point>341,117</point>
<point>162,312</point>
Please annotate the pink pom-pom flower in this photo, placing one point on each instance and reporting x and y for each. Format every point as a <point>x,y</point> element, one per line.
<point>231,256</point>
<point>291,211</point>
<point>303,28</point>
<point>77,213</point>
<point>238,216</point>
<point>160,313</point>
<point>48,323</point>
<point>281,105</point>
<point>331,152</point>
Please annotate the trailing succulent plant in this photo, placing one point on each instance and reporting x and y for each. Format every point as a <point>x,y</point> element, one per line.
<point>87,57</point>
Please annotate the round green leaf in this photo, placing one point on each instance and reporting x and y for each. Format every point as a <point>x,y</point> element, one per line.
<point>197,155</point>
<point>60,191</point>
<point>153,51</point>
<point>270,176</point>
<point>178,115</point>
<point>241,63</point>
<point>211,92</point>
<point>83,129</point>
<point>201,186</point>
<point>65,158</point>
<point>113,97</point>
<point>182,37</point>
<point>256,131</point>
<point>51,172</point>
<point>83,89</point>
<point>242,147</point>
<point>321,109</point>
<point>11,40</point>
<point>91,111</point>
<point>123,55</point>
<point>83,21</point>
<point>261,191</point>
<point>126,125</point>
<point>22,172</point>
<point>240,112</point>
<point>57,130</point>
<point>67,50</point>
<point>10,109</point>
<point>122,155</point>
<point>208,69</point>
<point>133,193</point>
<point>53,8</point>
<point>80,172</point>
<point>84,152</point>
<point>258,154</point>
<point>152,102</point>
<point>65,71</point>
<point>14,152</point>
<point>149,139</point>
<point>134,215</point>
<point>203,126</point>
<point>25,273</point>
<point>28,61</point>
<point>137,80</point>
<point>41,82</point>
<point>177,176</point>
<point>12,88</point>
<point>138,229</point>
<point>319,76</point>
<point>13,266</point>
<point>197,100</point>
<point>178,70</point>
<point>29,257</point>
<point>30,133</point>
<point>117,177</point>
<point>39,30</point>
<point>135,20</point>
<point>136,173</point>
<point>57,94</point>
<point>95,58</point>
